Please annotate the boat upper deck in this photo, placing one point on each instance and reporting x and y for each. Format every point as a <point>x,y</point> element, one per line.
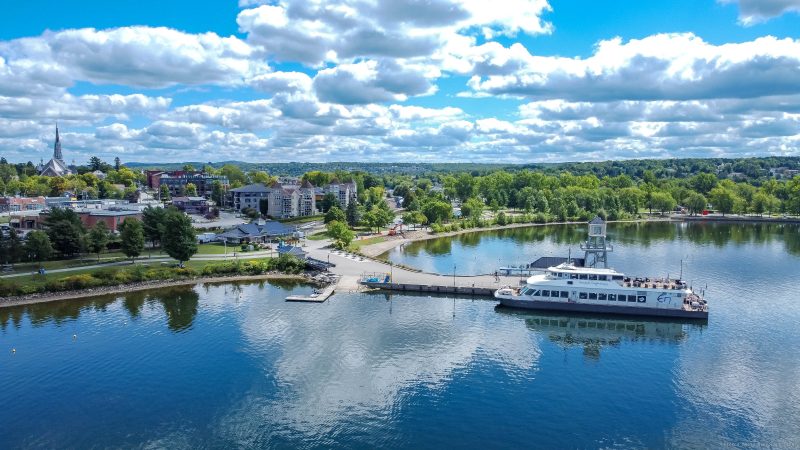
<point>568,271</point>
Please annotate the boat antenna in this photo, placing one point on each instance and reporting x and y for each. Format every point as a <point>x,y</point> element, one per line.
<point>681,277</point>
<point>569,255</point>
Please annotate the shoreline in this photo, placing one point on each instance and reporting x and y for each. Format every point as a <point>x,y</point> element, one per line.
<point>8,302</point>
<point>377,249</point>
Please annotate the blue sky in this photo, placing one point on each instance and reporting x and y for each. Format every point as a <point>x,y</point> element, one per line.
<point>401,80</point>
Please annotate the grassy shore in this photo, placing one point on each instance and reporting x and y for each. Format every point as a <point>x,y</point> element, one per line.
<point>144,272</point>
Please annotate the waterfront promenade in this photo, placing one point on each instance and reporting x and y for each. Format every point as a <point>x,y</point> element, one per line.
<point>351,269</point>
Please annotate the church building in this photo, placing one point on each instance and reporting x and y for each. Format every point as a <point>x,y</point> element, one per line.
<point>56,167</point>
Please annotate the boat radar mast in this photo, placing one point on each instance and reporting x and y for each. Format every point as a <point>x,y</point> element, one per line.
<point>596,248</point>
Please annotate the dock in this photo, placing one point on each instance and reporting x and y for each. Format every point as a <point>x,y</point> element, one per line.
<point>477,291</point>
<point>314,298</point>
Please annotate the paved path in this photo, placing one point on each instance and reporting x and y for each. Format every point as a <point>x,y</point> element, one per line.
<point>155,259</point>
<point>351,269</point>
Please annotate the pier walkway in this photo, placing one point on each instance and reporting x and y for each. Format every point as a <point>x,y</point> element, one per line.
<point>351,270</point>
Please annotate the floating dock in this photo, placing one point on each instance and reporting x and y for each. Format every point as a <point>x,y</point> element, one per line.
<point>312,298</point>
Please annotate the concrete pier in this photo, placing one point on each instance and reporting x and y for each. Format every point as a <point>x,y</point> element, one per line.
<point>319,298</point>
<point>353,270</point>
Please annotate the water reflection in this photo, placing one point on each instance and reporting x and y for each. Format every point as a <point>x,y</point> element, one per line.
<point>179,304</point>
<point>483,252</point>
<point>593,333</point>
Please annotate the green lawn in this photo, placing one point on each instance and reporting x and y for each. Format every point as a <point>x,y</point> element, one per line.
<point>358,243</point>
<point>39,280</point>
<point>322,235</point>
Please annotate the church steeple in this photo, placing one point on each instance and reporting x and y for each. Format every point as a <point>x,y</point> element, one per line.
<point>57,148</point>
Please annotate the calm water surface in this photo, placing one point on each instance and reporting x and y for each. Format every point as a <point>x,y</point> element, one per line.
<point>235,365</point>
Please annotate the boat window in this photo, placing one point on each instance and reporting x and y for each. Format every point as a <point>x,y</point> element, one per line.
<point>621,297</point>
<point>592,295</point>
<point>564,294</point>
<point>574,276</point>
<point>582,276</point>
<point>617,277</point>
<point>553,293</point>
<point>527,291</point>
<point>631,298</point>
<point>592,277</point>
<point>545,293</point>
<point>642,299</point>
<point>601,296</point>
<point>602,277</point>
<point>569,282</point>
<point>582,295</point>
<point>612,297</point>
<point>535,293</point>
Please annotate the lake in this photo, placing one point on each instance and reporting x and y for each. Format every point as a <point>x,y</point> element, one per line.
<point>212,366</point>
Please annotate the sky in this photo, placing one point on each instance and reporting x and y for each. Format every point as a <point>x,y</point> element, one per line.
<point>505,81</point>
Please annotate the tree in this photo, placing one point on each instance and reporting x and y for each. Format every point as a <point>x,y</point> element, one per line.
<point>329,201</point>
<point>696,203</point>
<point>472,208</point>
<point>38,246</point>
<point>722,199</point>
<point>178,239</point>
<point>335,214</point>
<point>353,214</point>
<point>190,190</point>
<point>217,193</point>
<point>95,163</point>
<point>189,168</point>
<point>437,211</point>
<point>163,193</point>
<point>153,224</point>
<point>131,237</point>
<point>65,230</point>
<point>703,182</point>
<point>97,238</point>
<point>13,246</point>
<point>663,202</point>
<point>117,163</point>
<point>340,233</point>
<point>414,218</point>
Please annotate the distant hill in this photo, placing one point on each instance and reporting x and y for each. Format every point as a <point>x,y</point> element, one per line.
<point>680,167</point>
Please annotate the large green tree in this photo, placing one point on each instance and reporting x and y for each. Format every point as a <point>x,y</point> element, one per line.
<point>723,199</point>
<point>97,239</point>
<point>38,246</point>
<point>178,239</point>
<point>696,203</point>
<point>340,233</point>
<point>65,230</point>
<point>153,224</point>
<point>335,214</point>
<point>131,236</point>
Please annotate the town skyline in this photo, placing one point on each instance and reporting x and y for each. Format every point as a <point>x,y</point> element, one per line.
<point>438,81</point>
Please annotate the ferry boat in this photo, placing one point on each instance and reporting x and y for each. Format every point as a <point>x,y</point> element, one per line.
<point>569,287</point>
<point>599,290</point>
